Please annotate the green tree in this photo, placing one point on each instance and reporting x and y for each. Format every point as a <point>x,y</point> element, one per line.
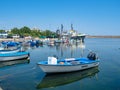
<point>2,31</point>
<point>35,33</point>
<point>47,33</point>
<point>15,31</point>
<point>26,31</point>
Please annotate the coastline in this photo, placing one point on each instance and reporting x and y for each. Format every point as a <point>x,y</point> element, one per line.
<point>88,36</point>
<point>102,36</point>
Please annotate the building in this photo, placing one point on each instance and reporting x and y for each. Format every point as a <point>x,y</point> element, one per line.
<point>3,35</point>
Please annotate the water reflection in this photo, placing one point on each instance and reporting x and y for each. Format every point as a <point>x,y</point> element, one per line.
<point>9,63</point>
<point>66,78</point>
<point>70,48</point>
<point>63,48</point>
<point>76,46</point>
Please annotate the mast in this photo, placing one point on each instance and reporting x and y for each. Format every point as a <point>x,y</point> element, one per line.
<point>61,28</point>
<point>71,26</point>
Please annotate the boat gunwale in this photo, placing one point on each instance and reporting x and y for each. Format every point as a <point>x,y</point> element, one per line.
<point>7,50</point>
<point>95,61</point>
<point>14,54</point>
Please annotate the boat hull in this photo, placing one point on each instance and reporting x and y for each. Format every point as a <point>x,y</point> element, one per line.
<point>9,51</point>
<point>14,56</point>
<point>67,68</point>
<point>77,38</point>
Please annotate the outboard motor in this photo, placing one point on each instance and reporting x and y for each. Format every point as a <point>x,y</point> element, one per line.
<point>92,56</point>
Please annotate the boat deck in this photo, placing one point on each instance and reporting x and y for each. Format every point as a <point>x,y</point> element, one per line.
<point>74,61</point>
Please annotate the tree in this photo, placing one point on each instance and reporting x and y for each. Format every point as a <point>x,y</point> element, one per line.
<point>35,33</point>
<point>2,31</point>
<point>15,31</point>
<point>25,30</point>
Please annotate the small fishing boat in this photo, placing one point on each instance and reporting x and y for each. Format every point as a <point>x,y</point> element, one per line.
<point>14,56</point>
<point>54,80</point>
<point>52,65</point>
<point>5,51</point>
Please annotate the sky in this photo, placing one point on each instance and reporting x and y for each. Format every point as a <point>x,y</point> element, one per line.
<point>93,17</point>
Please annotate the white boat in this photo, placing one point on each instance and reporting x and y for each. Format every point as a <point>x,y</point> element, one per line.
<point>10,51</point>
<point>52,65</point>
<point>14,56</point>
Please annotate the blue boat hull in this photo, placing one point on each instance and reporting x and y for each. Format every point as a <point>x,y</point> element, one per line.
<point>14,56</point>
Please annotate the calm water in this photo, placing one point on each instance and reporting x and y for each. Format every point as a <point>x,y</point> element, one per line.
<point>26,75</point>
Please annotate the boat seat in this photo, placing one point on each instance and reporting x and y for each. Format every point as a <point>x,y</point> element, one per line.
<point>75,62</point>
<point>69,59</point>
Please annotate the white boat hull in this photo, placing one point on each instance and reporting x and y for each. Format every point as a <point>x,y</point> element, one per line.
<point>66,68</point>
<point>13,58</point>
<point>10,51</point>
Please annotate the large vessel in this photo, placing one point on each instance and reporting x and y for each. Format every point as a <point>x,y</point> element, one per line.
<point>77,37</point>
<point>71,35</point>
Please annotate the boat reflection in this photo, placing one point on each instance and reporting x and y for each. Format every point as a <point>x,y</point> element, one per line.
<point>77,46</point>
<point>9,63</point>
<point>55,80</point>
<point>70,49</point>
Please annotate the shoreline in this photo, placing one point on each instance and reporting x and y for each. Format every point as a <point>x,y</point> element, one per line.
<point>102,36</point>
<point>88,36</point>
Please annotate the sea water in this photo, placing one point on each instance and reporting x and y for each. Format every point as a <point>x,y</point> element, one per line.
<point>26,75</point>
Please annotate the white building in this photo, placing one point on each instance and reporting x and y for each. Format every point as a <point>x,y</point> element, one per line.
<point>3,35</point>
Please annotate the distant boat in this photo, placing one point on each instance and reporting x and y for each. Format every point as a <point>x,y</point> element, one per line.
<point>14,56</point>
<point>10,43</point>
<point>52,65</point>
<point>78,37</point>
<point>55,80</point>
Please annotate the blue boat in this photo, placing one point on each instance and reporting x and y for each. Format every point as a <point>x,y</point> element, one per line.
<point>52,65</point>
<point>10,43</point>
<point>14,56</point>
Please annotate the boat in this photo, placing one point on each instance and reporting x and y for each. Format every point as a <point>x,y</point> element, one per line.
<point>75,36</point>
<point>10,43</point>
<point>14,56</point>
<point>5,51</point>
<point>52,65</point>
<point>55,80</point>
<point>78,37</point>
